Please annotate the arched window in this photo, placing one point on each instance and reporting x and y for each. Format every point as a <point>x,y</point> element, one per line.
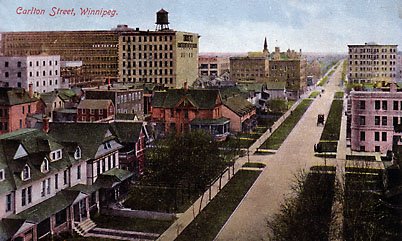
<point>44,167</point>
<point>26,173</point>
<point>77,153</point>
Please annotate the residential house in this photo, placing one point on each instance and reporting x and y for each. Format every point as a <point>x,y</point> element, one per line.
<point>15,105</point>
<point>180,110</point>
<point>36,173</point>
<point>93,110</point>
<point>242,114</point>
<point>53,102</point>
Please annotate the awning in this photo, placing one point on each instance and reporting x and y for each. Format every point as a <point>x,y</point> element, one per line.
<point>112,178</point>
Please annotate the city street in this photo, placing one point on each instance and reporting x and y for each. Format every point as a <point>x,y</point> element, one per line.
<point>263,200</point>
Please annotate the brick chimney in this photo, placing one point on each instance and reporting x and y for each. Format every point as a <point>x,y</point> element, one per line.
<point>30,90</point>
<point>45,127</point>
<point>185,86</point>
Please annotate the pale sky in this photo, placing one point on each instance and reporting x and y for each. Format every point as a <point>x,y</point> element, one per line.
<point>231,25</point>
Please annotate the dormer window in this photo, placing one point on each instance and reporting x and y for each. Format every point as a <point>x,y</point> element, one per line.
<point>2,176</point>
<point>44,167</point>
<point>107,145</point>
<point>77,153</point>
<point>56,155</point>
<point>26,173</point>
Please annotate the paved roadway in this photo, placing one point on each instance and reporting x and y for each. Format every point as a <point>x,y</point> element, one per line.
<point>263,200</point>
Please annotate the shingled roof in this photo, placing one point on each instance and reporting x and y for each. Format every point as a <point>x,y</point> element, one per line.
<point>201,99</point>
<point>15,96</point>
<point>94,104</point>
<point>238,105</point>
<point>127,132</point>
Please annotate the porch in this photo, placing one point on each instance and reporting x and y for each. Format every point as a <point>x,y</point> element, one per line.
<point>219,128</point>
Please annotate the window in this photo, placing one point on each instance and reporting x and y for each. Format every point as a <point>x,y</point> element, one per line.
<point>362,120</point>
<point>98,166</point>
<point>376,136</point>
<point>6,64</point>
<point>56,181</point>
<point>19,64</point>
<point>8,203</point>
<point>43,188</point>
<point>100,111</point>
<point>377,104</point>
<point>26,173</point>
<point>377,149</point>
<point>362,104</point>
<point>377,120</point>
<point>24,197</point>
<point>396,105</point>
<point>65,177</point>
<point>2,175</point>
<point>19,74</point>
<point>45,165</point>
<point>103,166</point>
<point>79,172</point>
<point>61,217</point>
<point>48,186</point>
<point>384,136</point>
<point>384,105</point>
<point>362,148</point>
<point>29,194</point>
<point>92,111</point>
<point>362,136</point>
<point>384,121</point>
<point>77,153</point>
<point>395,121</point>
<point>6,74</point>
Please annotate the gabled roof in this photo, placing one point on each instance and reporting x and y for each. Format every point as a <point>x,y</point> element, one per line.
<point>127,132</point>
<point>112,178</point>
<point>50,97</point>
<point>15,96</point>
<point>200,98</point>
<point>238,105</point>
<point>89,136</point>
<point>94,104</point>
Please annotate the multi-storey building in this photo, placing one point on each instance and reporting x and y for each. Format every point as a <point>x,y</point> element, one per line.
<point>164,57</point>
<point>373,117</point>
<point>42,71</point>
<point>399,67</point>
<point>372,62</point>
<point>213,65</point>
<point>180,110</point>
<point>94,110</point>
<point>126,98</point>
<point>96,49</point>
<point>289,67</point>
<point>15,105</point>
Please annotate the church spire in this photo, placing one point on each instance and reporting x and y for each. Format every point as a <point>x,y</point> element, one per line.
<point>265,44</point>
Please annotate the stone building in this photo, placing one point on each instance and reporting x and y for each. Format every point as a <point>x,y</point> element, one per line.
<point>213,65</point>
<point>42,71</point>
<point>372,62</point>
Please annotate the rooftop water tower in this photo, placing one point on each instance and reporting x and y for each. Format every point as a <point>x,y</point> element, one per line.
<point>162,20</point>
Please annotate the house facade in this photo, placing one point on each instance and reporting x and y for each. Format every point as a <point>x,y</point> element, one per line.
<point>15,105</point>
<point>180,110</point>
<point>95,110</point>
<point>242,114</point>
<point>373,117</point>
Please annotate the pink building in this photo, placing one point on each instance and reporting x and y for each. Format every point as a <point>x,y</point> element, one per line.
<point>373,116</point>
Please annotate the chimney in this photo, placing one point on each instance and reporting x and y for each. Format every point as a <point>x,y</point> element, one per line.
<point>45,127</point>
<point>185,86</point>
<point>30,90</point>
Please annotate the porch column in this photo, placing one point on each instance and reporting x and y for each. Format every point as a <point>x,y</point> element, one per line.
<point>87,206</point>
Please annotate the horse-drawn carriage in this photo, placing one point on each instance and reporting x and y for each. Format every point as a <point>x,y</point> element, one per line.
<point>320,119</point>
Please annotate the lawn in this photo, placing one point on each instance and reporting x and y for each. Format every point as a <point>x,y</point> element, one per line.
<point>339,95</point>
<point>322,81</point>
<point>280,134</point>
<point>332,127</point>
<point>131,224</point>
<point>254,165</point>
<point>210,221</point>
<point>314,94</point>
<point>159,199</point>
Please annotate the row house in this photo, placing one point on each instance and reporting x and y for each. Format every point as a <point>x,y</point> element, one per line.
<point>180,110</point>
<point>95,110</point>
<point>373,117</point>
<point>16,105</point>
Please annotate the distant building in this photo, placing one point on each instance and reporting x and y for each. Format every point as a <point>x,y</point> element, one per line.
<point>399,67</point>
<point>126,98</point>
<point>53,102</point>
<point>42,71</point>
<point>213,65</point>
<point>16,105</point>
<point>180,110</point>
<point>372,62</point>
<point>289,67</point>
<point>373,117</point>
<point>93,110</point>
